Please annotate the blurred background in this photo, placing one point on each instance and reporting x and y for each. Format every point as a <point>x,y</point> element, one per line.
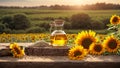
<point>34,16</point>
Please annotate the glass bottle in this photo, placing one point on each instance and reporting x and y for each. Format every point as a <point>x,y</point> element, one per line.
<point>52,27</point>
<point>58,36</point>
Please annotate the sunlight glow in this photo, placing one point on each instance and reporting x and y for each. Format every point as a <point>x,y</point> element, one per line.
<point>53,2</point>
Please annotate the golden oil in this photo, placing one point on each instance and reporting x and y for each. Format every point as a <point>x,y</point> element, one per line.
<point>58,40</point>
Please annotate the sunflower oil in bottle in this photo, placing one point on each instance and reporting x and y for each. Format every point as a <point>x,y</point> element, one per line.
<point>58,36</point>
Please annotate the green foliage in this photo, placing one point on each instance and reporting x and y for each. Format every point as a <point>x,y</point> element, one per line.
<point>17,22</point>
<point>114,30</point>
<point>38,16</point>
<point>21,21</point>
<point>8,21</point>
<point>7,30</point>
<point>118,52</point>
<point>44,25</point>
<point>67,25</point>
<point>81,20</point>
<point>35,30</point>
<point>2,27</point>
<point>106,22</point>
<point>18,31</point>
<point>48,18</point>
<point>97,25</point>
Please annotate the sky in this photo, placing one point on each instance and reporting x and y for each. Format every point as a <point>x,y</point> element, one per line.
<point>53,2</point>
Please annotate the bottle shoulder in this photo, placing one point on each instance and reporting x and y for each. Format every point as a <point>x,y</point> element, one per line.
<point>58,32</point>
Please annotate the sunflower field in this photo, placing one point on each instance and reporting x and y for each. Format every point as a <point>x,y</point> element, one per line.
<point>33,37</point>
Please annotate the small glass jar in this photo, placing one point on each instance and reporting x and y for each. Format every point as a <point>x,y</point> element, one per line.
<point>58,36</point>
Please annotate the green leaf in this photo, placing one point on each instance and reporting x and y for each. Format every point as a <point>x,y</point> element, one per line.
<point>109,25</point>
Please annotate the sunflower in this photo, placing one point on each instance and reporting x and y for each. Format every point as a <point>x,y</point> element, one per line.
<point>111,43</point>
<point>115,20</point>
<point>86,38</point>
<point>16,50</point>
<point>77,53</point>
<point>96,49</point>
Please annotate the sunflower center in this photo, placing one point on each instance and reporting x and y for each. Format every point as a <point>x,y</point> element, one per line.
<point>17,50</point>
<point>77,53</point>
<point>112,44</point>
<point>115,19</point>
<point>97,48</point>
<point>86,43</point>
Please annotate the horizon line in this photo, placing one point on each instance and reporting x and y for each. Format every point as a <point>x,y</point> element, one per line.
<point>56,4</point>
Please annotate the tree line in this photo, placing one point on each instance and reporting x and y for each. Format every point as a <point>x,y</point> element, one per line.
<point>97,6</point>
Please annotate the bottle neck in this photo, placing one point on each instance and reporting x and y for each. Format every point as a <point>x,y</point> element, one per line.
<point>58,27</point>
